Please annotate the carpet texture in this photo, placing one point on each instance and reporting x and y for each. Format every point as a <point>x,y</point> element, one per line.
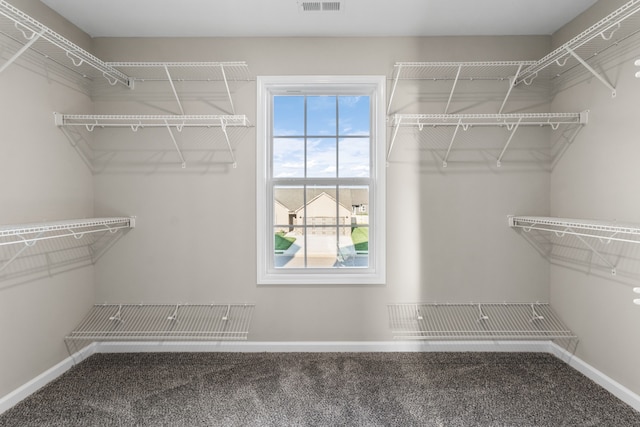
<point>322,389</point>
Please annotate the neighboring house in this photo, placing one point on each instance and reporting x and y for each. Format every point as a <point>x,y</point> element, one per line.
<point>321,208</point>
<point>282,214</point>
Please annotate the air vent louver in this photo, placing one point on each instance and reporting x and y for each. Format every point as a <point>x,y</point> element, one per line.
<point>321,6</point>
<point>333,6</point>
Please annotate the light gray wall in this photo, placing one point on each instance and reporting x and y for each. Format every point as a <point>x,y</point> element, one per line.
<point>447,235</point>
<point>596,179</point>
<point>447,238</point>
<point>42,179</point>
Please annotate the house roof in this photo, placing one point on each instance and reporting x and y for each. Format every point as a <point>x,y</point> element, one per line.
<point>293,198</point>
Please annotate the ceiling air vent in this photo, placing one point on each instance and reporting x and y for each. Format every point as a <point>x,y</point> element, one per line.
<point>321,6</point>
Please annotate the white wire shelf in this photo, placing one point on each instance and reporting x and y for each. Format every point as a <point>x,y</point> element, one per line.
<point>169,122</point>
<point>31,233</point>
<point>164,322</point>
<point>621,232</point>
<point>186,72</point>
<point>31,34</point>
<point>28,235</point>
<point>135,122</point>
<point>603,231</point>
<point>469,321</point>
<point>458,71</point>
<point>608,32</point>
<point>511,122</point>
<point>470,120</point>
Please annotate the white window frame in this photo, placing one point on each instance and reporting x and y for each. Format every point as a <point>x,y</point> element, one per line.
<point>267,88</point>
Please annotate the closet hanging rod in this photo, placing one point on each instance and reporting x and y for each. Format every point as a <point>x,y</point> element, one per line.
<point>32,31</point>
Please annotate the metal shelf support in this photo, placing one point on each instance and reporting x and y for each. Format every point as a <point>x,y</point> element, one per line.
<point>453,88</point>
<point>513,132</point>
<point>592,71</point>
<point>34,38</point>
<point>512,84</point>
<point>455,132</point>
<point>175,144</point>
<point>226,85</point>
<point>173,89</point>
<point>223,126</point>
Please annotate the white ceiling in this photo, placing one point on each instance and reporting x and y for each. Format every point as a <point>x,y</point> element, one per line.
<point>271,18</point>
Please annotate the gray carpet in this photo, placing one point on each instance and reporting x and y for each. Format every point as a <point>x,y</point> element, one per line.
<point>322,389</point>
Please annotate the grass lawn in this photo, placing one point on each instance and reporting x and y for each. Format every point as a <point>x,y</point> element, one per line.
<point>360,237</point>
<point>283,242</point>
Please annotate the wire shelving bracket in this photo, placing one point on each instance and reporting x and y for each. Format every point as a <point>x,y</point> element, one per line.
<point>511,122</point>
<point>457,71</point>
<point>162,322</point>
<point>29,235</point>
<point>603,231</point>
<point>476,321</point>
<point>603,30</point>
<point>25,30</point>
<point>170,122</point>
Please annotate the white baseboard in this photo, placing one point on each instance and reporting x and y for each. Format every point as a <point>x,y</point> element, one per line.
<point>609,384</point>
<point>24,391</point>
<point>590,372</point>
<point>323,346</point>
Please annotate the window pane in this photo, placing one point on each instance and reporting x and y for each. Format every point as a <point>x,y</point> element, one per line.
<point>288,207</point>
<point>353,247</point>
<point>288,158</point>
<point>321,209</point>
<point>354,239</point>
<point>321,115</point>
<point>321,249</point>
<point>288,115</point>
<point>353,158</point>
<point>288,247</point>
<point>354,115</point>
<point>321,158</point>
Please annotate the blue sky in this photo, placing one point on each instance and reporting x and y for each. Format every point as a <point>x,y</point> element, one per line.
<point>352,136</point>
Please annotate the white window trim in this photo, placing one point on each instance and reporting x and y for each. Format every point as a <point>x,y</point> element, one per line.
<point>375,274</point>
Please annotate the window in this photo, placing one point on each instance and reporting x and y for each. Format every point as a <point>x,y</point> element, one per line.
<point>320,180</point>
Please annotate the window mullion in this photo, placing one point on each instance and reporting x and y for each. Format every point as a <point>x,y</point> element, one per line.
<point>305,229</point>
<point>337,175</point>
